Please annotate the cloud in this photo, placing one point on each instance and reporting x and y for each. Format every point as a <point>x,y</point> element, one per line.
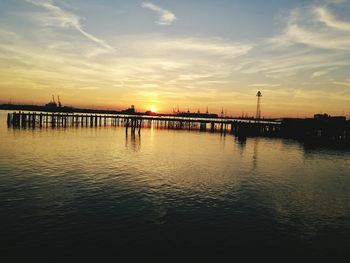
<point>149,85</point>
<point>213,46</point>
<point>326,17</point>
<point>62,18</point>
<point>284,63</point>
<point>320,73</point>
<point>316,27</point>
<point>88,88</point>
<point>185,47</point>
<point>314,40</point>
<point>264,85</point>
<point>325,39</point>
<point>166,17</point>
<point>342,83</point>
<point>6,35</point>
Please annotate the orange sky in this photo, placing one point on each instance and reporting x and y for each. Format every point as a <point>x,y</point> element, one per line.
<point>157,56</point>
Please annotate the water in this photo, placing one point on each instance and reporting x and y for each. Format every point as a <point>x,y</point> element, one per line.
<point>92,193</point>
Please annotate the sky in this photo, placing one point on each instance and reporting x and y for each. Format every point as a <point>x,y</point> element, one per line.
<point>186,54</point>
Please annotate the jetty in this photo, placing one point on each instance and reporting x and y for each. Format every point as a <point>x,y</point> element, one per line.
<point>134,123</point>
<point>322,129</point>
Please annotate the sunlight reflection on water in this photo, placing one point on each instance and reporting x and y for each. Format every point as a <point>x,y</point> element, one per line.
<point>96,187</point>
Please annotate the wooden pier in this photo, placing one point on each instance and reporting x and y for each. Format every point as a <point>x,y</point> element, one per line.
<point>332,130</point>
<point>134,123</point>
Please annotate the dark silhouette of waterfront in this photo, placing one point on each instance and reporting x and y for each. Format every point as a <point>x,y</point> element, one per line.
<point>320,130</point>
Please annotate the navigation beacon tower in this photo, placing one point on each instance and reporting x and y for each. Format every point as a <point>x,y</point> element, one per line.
<point>258,110</point>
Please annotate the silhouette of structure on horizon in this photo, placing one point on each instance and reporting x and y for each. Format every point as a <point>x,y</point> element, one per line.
<point>197,114</point>
<point>130,110</point>
<point>59,102</point>
<point>320,130</point>
<point>52,103</point>
<point>326,117</point>
<point>258,110</point>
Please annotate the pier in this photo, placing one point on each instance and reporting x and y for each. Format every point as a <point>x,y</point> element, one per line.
<point>328,130</point>
<point>135,123</point>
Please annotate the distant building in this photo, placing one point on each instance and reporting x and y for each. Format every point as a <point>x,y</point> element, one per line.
<point>326,117</point>
<point>321,116</point>
<point>130,110</point>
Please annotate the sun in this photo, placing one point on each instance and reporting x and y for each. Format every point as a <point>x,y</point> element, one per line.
<point>153,109</point>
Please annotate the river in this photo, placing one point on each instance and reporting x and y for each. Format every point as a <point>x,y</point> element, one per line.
<point>92,193</point>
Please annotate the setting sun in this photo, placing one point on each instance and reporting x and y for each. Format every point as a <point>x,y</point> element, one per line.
<point>152,109</point>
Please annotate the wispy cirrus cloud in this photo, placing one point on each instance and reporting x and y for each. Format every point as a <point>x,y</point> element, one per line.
<point>325,16</point>
<point>209,46</point>
<point>166,17</point>
<point>315,26</point>
<point>264,85</point>
<point>323,72</point>
<point>342,83</point>
<point>57,17</point>
<point>320,73</point>
<point>88,88</point>
<point>315,39</point>
<point>6,35</point>
<point>186,48</point>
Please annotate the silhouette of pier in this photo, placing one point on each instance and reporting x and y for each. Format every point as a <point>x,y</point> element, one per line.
<point>319,130</point>
<point>134,123</point>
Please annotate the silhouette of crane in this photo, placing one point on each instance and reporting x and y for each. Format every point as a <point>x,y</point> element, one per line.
<point>59,102</point>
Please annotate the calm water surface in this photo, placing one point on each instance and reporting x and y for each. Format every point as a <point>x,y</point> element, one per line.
<point>93,192</point>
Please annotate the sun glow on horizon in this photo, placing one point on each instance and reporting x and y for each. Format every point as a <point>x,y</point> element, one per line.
<point>152,109</point>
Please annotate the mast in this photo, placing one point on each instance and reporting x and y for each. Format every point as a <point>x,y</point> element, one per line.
<point>258,110</point>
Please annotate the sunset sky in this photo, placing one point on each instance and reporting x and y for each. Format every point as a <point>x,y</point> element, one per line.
<point>180,53</point>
